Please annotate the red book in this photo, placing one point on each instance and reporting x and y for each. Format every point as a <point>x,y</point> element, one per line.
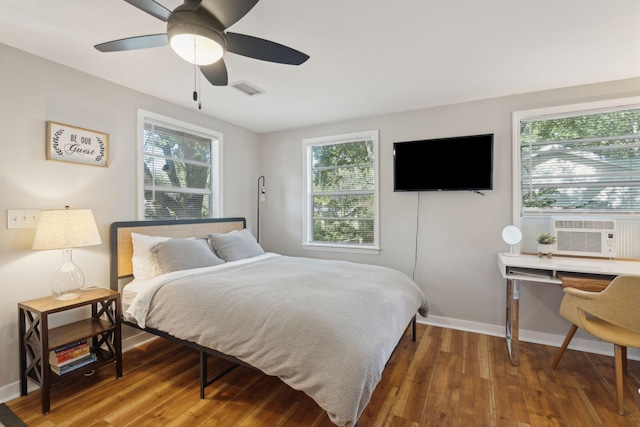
<point>70,361</point>
<point>68,353</point>
<point>69,347</point>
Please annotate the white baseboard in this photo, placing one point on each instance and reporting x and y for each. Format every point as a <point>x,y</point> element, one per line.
<point>463,325</point>
<point>12,391</point>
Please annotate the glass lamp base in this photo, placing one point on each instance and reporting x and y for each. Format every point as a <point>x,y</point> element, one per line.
<point>67,280</point>
<point>67,296</point>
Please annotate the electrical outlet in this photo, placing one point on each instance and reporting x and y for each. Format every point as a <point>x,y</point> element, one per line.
<point>24,218</point>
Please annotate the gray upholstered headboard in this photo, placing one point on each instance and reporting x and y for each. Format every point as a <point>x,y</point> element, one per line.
<point>121,249</point>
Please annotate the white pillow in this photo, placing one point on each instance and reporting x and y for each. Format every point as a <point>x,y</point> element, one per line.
<point>144,263</point>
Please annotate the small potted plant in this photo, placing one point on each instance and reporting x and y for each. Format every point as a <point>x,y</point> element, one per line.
<point>546,242</point>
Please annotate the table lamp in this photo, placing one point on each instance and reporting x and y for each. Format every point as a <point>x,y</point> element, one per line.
<point>66,229</point>
<point>511,235</point>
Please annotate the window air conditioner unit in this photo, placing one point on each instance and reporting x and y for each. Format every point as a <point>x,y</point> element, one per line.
<point>585,237</point>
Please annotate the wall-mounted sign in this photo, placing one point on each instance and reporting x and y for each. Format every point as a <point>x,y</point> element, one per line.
<point>73,144</point>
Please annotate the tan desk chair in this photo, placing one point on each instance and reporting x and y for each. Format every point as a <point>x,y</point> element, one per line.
<point>612,315</point>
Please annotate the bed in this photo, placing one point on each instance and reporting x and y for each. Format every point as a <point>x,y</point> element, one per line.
<point>324,327</point>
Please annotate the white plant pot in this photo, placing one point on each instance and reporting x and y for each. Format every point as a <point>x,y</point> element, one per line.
<point>546,250</point>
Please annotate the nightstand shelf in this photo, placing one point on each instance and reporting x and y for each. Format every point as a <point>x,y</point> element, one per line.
<point>77,331</point>
<point>102,330</point>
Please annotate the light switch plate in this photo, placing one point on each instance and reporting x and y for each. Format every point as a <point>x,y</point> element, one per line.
<point>22,218</point>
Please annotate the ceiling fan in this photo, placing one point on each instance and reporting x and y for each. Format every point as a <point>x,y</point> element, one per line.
<point>196,32</point>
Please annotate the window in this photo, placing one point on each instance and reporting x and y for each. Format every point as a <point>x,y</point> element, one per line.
<point>180,169</point>
<point>585,160</point>
<point>341,186</point>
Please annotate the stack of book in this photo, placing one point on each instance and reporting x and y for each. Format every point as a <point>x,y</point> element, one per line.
<point>71,357</point>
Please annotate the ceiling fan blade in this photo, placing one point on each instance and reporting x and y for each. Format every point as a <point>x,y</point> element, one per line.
<point>152,8</point>
<point>265,50</point>
<point>228,12</point>
<point>134,43</point>
<point>216,73</point>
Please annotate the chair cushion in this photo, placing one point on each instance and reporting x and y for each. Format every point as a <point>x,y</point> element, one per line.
<point>611,333</point>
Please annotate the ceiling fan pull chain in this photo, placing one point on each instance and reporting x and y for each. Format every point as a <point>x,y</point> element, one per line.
<point>195,79</point>
<point>195,71</point>
<point>200,91</point>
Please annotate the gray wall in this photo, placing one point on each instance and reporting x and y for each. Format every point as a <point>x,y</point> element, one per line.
<point>34,90</point>
<point>459,232</point>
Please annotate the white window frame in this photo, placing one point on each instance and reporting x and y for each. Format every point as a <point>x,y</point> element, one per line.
<point>554,112</point>
<point>216,173</point>
<point>307,222</point>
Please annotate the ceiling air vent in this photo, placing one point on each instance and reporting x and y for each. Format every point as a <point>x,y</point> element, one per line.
<point>247,88</point>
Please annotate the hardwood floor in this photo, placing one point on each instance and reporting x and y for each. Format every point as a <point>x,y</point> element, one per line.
<point>445,378</point>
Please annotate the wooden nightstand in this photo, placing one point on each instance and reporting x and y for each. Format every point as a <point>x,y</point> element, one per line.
<point>102,330</point>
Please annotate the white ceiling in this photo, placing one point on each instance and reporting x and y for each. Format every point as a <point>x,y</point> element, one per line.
<point>368,57</point>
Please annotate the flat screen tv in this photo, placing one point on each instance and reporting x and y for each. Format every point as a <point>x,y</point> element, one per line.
<point>444,164</point>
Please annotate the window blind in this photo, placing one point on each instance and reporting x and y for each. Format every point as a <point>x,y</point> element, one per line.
<point>343,192</point>
<point>586,162</point>
<point>180,172</point>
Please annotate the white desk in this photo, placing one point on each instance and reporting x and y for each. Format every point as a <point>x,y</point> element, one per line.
<point>531,268</point>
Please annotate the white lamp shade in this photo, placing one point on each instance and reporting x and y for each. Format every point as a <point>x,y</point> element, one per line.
<point>66,228</point>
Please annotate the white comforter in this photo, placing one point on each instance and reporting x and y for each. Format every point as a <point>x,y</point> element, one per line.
<point>324,327</point>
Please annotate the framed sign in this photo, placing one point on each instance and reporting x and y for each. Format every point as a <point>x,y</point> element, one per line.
<point>73,144</point>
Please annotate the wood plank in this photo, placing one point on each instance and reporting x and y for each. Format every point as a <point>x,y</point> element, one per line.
<point>509,399</point>
<point>543,409</point>
<point>475,402</point>
<point>442,407</point>
<point>414,390</point>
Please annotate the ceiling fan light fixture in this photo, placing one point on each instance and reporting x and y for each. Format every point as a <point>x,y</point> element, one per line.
<point>196,49</point>
<point>192,35</point>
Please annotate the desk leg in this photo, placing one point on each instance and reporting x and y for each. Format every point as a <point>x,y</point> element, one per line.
<point>513,314</point>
